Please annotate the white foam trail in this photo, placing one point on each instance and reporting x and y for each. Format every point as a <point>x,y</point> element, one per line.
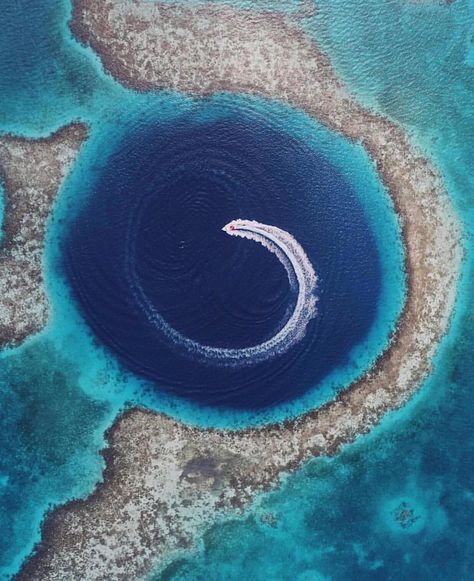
<point>302,279</point>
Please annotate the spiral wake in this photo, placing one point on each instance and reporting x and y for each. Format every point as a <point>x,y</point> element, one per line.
<point>302,279</point>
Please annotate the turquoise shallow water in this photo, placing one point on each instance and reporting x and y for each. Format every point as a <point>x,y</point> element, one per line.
<point>336,519</point>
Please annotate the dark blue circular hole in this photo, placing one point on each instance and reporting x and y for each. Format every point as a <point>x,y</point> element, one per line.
<point>166,192</point>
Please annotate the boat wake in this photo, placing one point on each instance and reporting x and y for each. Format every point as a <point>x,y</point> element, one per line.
<point>302,279</point>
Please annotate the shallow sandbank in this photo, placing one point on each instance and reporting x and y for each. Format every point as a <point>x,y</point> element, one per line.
<point>31,172</point>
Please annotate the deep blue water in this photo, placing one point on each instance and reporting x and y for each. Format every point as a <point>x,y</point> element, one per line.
<point>158,206</point>
<point>335,519</point>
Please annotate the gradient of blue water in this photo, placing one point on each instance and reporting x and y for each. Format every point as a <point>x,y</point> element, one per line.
<point>67,326</point>
<point>334,519</point>
<point>46,78</point>
<point>186,178</point>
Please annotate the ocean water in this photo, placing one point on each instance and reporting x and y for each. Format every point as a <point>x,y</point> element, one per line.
<point>71,330</point>
<point>397,504</point>
<point>152,219</point>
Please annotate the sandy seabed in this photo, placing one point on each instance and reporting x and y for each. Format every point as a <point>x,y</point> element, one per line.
<point>31,172</point>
